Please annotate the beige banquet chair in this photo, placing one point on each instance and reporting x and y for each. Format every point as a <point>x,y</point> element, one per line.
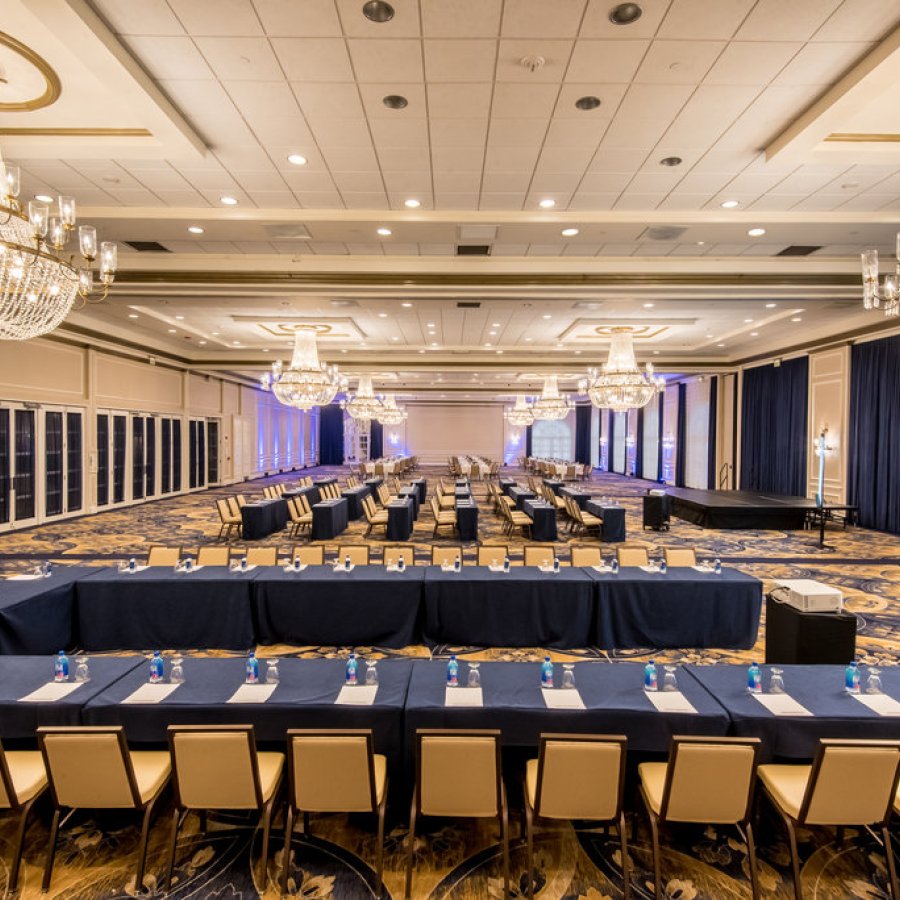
<point>441,556</point>
<point>632,556</point>
<point>358,553</point>
<point>443,518</point>
<point>393,554</point>
<point>23,779</point>
<point>309,555</point>
<point>92,768</point>
<point>680,557</point>
<point>586,556</point>
<point>262,556</point>
<point>539,554</point>
<point>213,556</point>
<point>375,518</point>
<point>229,520</point>
<point>492,554</point>
<point>300,517</point>
<point>163,556</point>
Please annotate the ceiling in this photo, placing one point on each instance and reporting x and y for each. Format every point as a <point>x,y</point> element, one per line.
<point>166,106</point>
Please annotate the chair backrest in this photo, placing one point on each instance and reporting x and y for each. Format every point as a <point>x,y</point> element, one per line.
<point>586,556</point>
<point>235,505</point>
<point>279,489</point>
<point>580,776</point>
<point>89,767</point>
<point>358,553</point>
<point>379,469</point>
<point>445,555</point>
<point>331,771</point>
<point>384,495</point>
<point>446,788</point>
<point>632,556</point>
<point>309,555</point>
<point>492,554</point>
<point>262,556</point>
<point>710,779</point>
<point>268,492</point>
<point>852,783</point>
<point>223,509</point>
<point>213,556</point>
<point>303,502</point>
<point>681,556</point>
<point>369,508</point>
<point>395,553</point>
<point>539,555</point>
<point>163,556</point>
<point>570,472</point>
<point>241,500</point>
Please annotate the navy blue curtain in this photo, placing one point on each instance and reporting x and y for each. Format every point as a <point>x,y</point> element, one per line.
<point>773,428</point>
<point>376,440</point>
<point>583,434</point>
<point>713,403</point>
<point>639,445</point>
<point>681,435</point>
<point>611,442</point>
<point>661,404</point>
<point>874,479</point>
<point>331,435</point>
<point>527,441</point>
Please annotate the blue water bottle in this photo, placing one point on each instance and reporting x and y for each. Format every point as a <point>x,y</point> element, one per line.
<point>47,568</point>
<point>662,566</point>
<point>350,675</point>
<point>61,667</point>
<point>717,566</point>
<point>851,678</point>
<point>252,669</point>
<point>297,563</point>
<point>188,564</point>
<point>754,678</point>
<point>556,564</point>
<point>546,673</point>
<point>614,565</point>
<point>457,564</point>
<point>132,564</point>
<point>452,672</point>
<point>347,563</point>
<point>156,668</point>
<point>506,564</point>
<point>650,683</point>
<point>243,563</point>
<point>401,564</point>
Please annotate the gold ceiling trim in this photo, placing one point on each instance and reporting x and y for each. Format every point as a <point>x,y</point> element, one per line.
<point>859,138</point>
<point>75,132</point>
<point>52,85</point>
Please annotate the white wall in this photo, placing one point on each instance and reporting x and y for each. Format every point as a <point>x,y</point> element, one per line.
<point>434,432</point>
<point>829,408</point>
<point>670,432</point>
<point>651,439</point>
<point>696,464</point>
<point>618,448</point>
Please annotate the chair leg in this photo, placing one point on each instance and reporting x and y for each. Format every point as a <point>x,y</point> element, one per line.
<point>795,857</point>
<point>529,849</point>
<point>267,827</point>
<point>889,855</point>
<point>19,843</point>
<point>751,856</point>
<point>173,841</point>
<point>288,831</point>
<point>626,863</point>
<point>51,851</point>
<point>411,838</point>
<point>142,849</point>
<point>379,860</point>
<point>657,871</point>
<point>504,838</point>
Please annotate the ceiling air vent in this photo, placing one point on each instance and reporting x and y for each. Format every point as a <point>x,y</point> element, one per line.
<point>147,246</point>
<point>473,249</point>
<point>798,250</point>
<point>662,233</point>
<point>468,304</point>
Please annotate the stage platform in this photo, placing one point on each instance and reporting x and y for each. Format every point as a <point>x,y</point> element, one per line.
<point>739,509</point>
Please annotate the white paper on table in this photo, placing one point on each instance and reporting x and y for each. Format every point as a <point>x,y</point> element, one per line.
<point>671,702</point>
<point>340,567</point>
<point>292,569</point>
<point>781,704</point>
<point>879,703</point>
<point>564,698</point>
<point>463,696</point>
<point>494,568</point>
<point>649,568</point>
<point>703,568</point>
<point>602,568</point>
<point>357,695</point>
<point>135,570</point>
<point>150,693</point>
<point>31,577</point>
<point>51,691</point>
<point>239,571</point>
<point>252,693</point>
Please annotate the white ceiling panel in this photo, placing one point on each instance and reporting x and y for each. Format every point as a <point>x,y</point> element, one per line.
<point>707,114</point>
<point>459,159</point>
<point>283,18</point>
<point>572,133</point>
<point>606,62</point>
<point>150,17</point>
<point>506,182</point>
<point>173,57</point>
<point>564,159</point>
<point>458,132</point>
<point>408,183</point>
<point>223,17</point>
<point>362,182</point>
<point>752,62</point>
<point>776,20</point>
<point>459,101</point>
<point>313,59</point>
<point>240,58</point>
<point>678,62</point>
<point>380,61</point>
<point>403,24</point>
<point>272,112</point>
<point>320,199</point>
<point>399,132</point>
<point>513,100</point>
<point>498,200</point>
<point>858,20</point>
<point>539,19</point>
<point>282,199</point>
<point>335,132</point>
<point>405,159</point>
<point>517,132</point>
<point>700,19</point>
<point>555,55</point>
<point>318,100</point>
<point>457,61</point>
<point>510,159</point>
<point>460,18</point>
<point>817,64</point>
<point>457,182</point>
<point>363,200</point>
<point>456,200</point>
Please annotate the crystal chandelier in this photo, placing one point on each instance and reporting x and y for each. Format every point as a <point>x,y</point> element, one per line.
<point>391,414</point>
<point>621,385</point>
<point>38,287</point>
<point>551,404</point>
<point>884,296</point>
<point>306,382</point>
<point>363,404</point>
<point>520,414</point>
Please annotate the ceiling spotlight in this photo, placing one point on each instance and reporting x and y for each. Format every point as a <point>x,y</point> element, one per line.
<point>382,315</point>
<point>195,229</point>
<point>587,103</point>
<point>236,343</point>
<point>671,161</point>
<point>173,331</point>
<point>756,232</point>
<point>384,232</point>
<point>132,315</point>
<point>201,343</point>
<point>720,345</point>
<point>547,316</point>
<point>754,334</point>
<point>729,204</point>
<point>395,101</point>
<point>216,333</point>
<point>569,232</point>
<point>180,318</point>
<point>499,353</point>
<point>495,324</point>
<point>435,345</point>
<point>547,203</point>
<point>412,203</point>
<point>528,340</point>
<point>297,159</point>
<point>488,346</point>
<point>43,198</point>
<point>406,305</point>
<point>378,11</point>
<point>796,319</point>
<point>395,338</point>
<point>656,352</point>
<point>771,305</point>
<point>747,321</point>
<point>648,305</point>
<point>625,13</point>
<point>228,201</point>
<point>429,325</point>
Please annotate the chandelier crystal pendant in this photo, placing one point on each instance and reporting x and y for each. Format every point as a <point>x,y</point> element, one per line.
<point>521,414</point>
<point>38,287</point>
<point>391,414</point>
<point>886,295</point>
<point>363,404</point>
<point>620,385</point>
<point>551,405</point>
<point>306,382</point>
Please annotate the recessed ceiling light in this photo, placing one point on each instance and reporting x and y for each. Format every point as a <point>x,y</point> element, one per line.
<point>201,343</point>
<point>43,198</point>
<point>720,345</point>
<point>395,101</point>
<point>587,103</point>
<point>384,232</point>
<point>180,318</point>
<point>754,334</point>
<point>671,161</point>
<point>265,350</point>
<point>343,351</point>
<point>709,337</point>
<point>547,203</point>
<point>729,204</point>
<point>395,338</point>
<point>297,159</point>
<point>756,232</point>
<point>173,331</point>
<point>434,345</point>
<point>132,315</point>
<point>499,353</point>
<point>625,13</point>
<point>648,305</point>
<point>796,319</point>
<point>656,352</point>
<point>406,305</point>
<point>429,325</point>
<point>488,345</point>
<point>215,333</point>
<point>547,316</point>
<point>771,305</point>
<point>421,351</point>
<point>578,353</point>
<point>378,11</point>
<point>236,343</point>
<point>495,324</point>
<point>412,203</point>
<point>195,229</point>
<point>569,232</point>
<point>492,333</point>
<point>747,321</point>
<point>228,201</point>
<point>528,340</point>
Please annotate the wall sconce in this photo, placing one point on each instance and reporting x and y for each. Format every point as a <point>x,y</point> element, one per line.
<point>394,438</point>
<point>515,437</point>
<point>630,441</point>
<point>668,442</point>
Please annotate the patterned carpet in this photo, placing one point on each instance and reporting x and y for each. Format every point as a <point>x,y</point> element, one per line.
<point>461,859</point>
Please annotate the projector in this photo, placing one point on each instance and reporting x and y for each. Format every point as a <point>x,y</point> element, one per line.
<point>808,596</point>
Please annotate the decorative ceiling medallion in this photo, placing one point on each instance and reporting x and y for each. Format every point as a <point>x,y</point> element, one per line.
<point>641,332</point>
<point>27,80</point>
<point>327,329</point>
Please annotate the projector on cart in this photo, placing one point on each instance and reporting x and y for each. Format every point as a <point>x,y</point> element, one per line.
<point>808,596</point>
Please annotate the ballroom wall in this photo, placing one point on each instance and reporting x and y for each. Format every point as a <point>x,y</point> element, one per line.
<point>436,431</point>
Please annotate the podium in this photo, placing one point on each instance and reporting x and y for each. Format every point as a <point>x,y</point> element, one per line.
<point>656,512</point>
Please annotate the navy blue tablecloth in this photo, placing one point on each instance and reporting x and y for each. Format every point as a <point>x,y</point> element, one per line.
<point>412,492</point>
<point>159,609</point>
<point>520,495</point>
<point>580,497</point>
<point>304,698</point>
<point>262,518</point>
<point>819,688</point>
<point>421,485</point>
<point>683,608</point>
<point>400,520</point>
<point>311,493</point>
<point>555,484</point>
<point>467,521</point>
<point>613,527</point>
<point>506,484</point>
<point>522,608</point>
<point>329,519</point>
<point>612,694</point>
<point>373,484</point>
<point>363,607</point>
<point>543,515</point>
<point>321,482</point>
<point>354,498</point>
<point>36,616</point>
<point>20,675</point>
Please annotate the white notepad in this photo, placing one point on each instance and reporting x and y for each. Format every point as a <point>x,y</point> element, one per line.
<point>292,569</point>
<point>340,567</point>
<point>879,703</point>
<point>670,702</point>
<point>31,577</point>
<point>150,693</point>
<point>463,696</point>
<point>781,704</point>
<point>602,568</point>
<point>252,693</point>
<point>51,691</point>
<point>357,695</point>
<point>703,568</point>
<point>562,699</point>
<point>650,569</point>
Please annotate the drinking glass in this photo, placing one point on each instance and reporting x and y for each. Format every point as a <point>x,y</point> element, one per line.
<point>776,682</point>
<point>82,672</point>
<point>669,681</point>
<point>474,679</point>
<point>568,675</point>
<point>176,674</point>
<point>272,676</point>
<point>371,671</point>
<point>873,682</point>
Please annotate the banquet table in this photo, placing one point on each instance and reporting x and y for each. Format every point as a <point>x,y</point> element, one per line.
<point>304,698</point>
<point>579,496</point>
<point>520,495</point>
<point>613,527</point>
<point>683,608</point>
<point>21,675</point>
<point>543,515</point>
<point>820,689</point>
<point>421,485</point>
<point>311,493</point>
<point>158,608</point>
<point>322,482</point>
<point>522,608</point>
<point>400,519</point>
<point>36,615</point>
<point>467,520</point>
<point>373,484</point>
<point>367,606</point>
<point>412,492</point>
<point>354,498</point>
<point>506,484</point>
<point>262,518</point>
<point>555,484</point>
<point>513,702</point>
<point>329,519</point>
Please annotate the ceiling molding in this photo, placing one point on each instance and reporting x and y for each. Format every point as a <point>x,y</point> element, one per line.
<point>52,86</point>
